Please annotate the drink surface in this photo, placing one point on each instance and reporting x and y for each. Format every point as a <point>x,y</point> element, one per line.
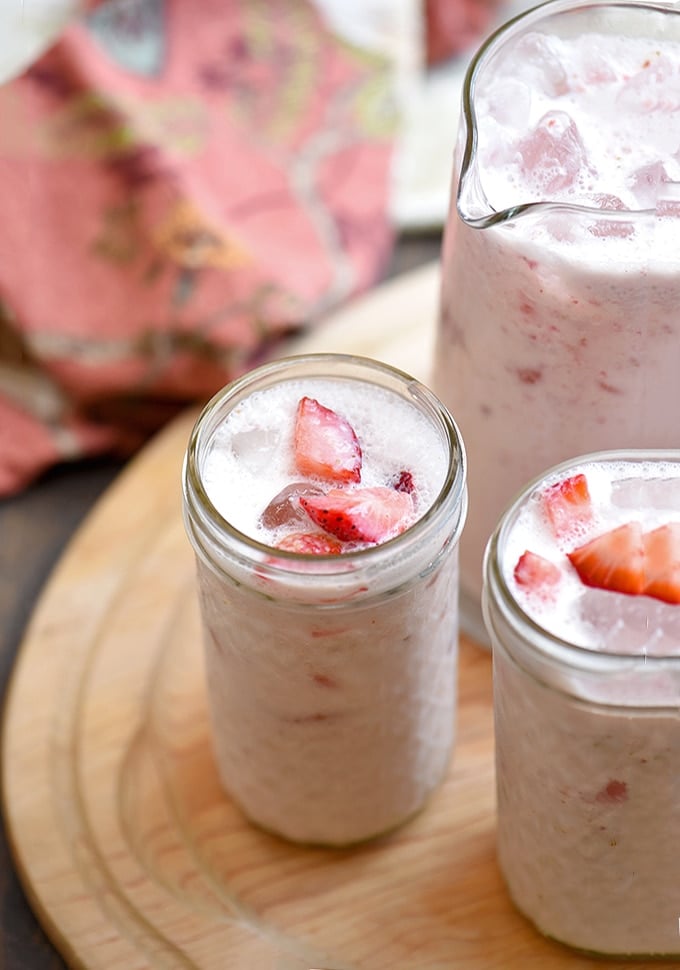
<point>252,456</point>
<point>587,120</point>
<point>622,595</point>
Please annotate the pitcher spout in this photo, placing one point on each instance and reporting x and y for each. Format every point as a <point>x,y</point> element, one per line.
<point>522,149</point>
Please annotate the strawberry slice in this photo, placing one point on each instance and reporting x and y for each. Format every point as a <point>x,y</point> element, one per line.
<point>360,514</point>
<point>404,483</point>
<point>536,573</point>
<point>567,505</point>
<point>325,443</point>
<point>614,560</point>
<point>310,544</point>
<point>662,563</point>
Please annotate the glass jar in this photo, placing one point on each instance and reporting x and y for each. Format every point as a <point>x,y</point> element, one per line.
<point>331,679</point>
<point>587,758</point>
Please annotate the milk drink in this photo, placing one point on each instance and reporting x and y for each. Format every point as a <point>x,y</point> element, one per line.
<point>582,601</point>
<point>324,499</point>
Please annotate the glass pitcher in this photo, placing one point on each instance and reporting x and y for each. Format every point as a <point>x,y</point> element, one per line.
<point>559,329</point>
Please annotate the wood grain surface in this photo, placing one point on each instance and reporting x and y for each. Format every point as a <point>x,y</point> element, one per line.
<point>132,855</point>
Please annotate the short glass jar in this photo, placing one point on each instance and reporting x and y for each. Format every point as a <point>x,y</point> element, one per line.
<point>588,744</point>
<point>331,679</point>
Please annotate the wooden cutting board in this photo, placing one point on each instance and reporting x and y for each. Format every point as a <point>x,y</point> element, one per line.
<point>129,851</point>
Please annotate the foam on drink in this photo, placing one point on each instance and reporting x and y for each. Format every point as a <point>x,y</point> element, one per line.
<point>569,136</point>
<point>647,492</point>
<point>251,455</point>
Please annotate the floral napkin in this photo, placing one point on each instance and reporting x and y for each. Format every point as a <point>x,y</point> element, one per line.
<point>182,185</point>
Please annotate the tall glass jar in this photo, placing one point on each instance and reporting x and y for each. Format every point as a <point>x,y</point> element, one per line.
<point>588,756</point>
<point>331,679</point>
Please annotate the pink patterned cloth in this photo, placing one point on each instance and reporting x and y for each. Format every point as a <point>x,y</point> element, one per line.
<point>182,184</point>
<point>454,26</point>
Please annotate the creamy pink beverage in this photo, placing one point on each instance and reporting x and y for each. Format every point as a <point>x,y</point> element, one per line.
<point>582,604</point>
<point>560,320</point>
<point>324,497</point>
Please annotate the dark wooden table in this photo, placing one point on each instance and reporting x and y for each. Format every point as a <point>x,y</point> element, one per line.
<point>34,530</point>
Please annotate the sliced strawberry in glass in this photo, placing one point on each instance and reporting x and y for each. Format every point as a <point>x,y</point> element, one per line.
<point>325,444</point>
<point>404,482</point>
<point>535,572</point>
<point>567,505</point>
<point>361,514</point>
<point>662,563</point>
<point>614,560</point>
<point>310,544</point>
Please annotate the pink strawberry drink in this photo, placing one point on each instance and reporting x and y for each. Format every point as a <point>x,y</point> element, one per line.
<point>582,604</point>
<point>560,330</point>
<point>324,497</point>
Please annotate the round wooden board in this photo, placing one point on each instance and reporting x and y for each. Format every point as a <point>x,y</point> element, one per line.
<point>130,852</point>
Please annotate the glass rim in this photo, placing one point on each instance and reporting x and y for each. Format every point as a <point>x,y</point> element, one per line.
<point>198,505</point>
<point>539,13</point>
<point>536,640</point>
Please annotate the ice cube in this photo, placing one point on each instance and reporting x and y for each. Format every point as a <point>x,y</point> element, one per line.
<point>668,203</point>
<point>666,642</point>
<point>508,102</point>
<point>553,154</point>
<point>647,184</point>
<point>542,67</point>
<point>655,87</point>
<point>619,623</point>
<point>663,493</point>
<point>610,227</point>
<point>641,494</point>
<point>560,225</point>
<point>254,447</point>
<point>285,509</point>
<point>497,146</point>
<point>596,67</point>
<point>627,493</point>
<point>644,626</point>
